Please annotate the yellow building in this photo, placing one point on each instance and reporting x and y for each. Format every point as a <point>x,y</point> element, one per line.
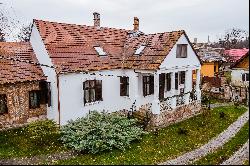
<point>209,69</point>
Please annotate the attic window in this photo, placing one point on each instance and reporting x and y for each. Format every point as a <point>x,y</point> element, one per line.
<point>100,51</point>
<point>139,50</point>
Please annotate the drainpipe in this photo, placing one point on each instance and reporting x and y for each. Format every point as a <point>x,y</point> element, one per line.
<point>58,98</point>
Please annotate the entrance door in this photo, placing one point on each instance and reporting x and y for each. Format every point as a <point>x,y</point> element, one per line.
<point>161,85</point>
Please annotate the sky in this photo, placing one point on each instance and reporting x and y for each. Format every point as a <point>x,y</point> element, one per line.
<point>199,18</point>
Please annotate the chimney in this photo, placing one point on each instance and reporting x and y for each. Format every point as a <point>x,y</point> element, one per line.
<point>96,19</point>
<point>195,40</point>
<point>136,24</point>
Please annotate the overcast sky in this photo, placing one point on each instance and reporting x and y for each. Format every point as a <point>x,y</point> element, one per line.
<point>199,18</point>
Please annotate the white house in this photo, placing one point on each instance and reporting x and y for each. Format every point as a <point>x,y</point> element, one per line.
<point>240,71</point>
<point>99,68</point>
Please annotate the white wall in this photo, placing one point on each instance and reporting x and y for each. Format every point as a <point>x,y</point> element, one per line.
<point>71,93</point>
<point>43,58</point>
<point>237,77</point>
<point>173,64</point>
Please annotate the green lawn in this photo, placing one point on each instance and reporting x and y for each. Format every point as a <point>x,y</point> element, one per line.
<point>15,143</point>
<point>168,143</point>
<point>151,149</point>
<point>227,150</point>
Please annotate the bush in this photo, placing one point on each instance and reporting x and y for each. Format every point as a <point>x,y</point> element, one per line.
<point>182,131</point>
<point>100,132</point>
<point>45,132</point>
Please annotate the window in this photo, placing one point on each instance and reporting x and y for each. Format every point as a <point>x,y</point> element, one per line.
<point>148,85</point>
<point>100,51</point>
<point>124,86</point>
<point>92,91</point>
<point>139,50</point>
<point>215,68</point>
<point>176,81</point>
<point>245,77</point>
<point>45,88</point>
<point>168,81</point>
<point>34,99</point>
<point>181,51</point>
<point>182,77</point>
<point>3,105</point>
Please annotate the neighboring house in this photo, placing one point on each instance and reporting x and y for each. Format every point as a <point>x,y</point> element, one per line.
<point>99,68</point>
<point>210,63</point>
<point>233,55</point>
<point>240,71</point>
<point>21,85</point>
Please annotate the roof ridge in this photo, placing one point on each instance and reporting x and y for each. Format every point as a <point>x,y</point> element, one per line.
<point>82,25</point>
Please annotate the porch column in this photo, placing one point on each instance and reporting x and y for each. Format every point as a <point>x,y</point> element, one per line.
<point>198,78</point>
<point>173,99</point>
<point>156,101</point>
<point>188,85</point>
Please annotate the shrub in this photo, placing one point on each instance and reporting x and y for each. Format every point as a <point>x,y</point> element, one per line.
<point>182,131</point>
<point>45,132</point>
<point>100,132</point>
<point>222,115</point>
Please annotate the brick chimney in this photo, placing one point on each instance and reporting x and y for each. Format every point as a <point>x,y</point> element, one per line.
<point>96,19</point>
<point>136,24</point>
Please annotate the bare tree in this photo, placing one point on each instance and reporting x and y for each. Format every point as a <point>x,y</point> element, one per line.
<point>25,32</point>
<point>234,38</point>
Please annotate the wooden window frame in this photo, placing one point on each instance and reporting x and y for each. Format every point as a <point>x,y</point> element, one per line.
<point>181,51</point>
<point>45,88</point>
<point>182,76</point>
<point>38,99</point>
<point>176,80</point>
<point>3,97</point>
<point>124,86</point>
<point>168,82</point>
<point>94,90</point>
<point>148,85</point>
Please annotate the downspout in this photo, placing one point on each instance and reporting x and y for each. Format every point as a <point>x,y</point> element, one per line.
<point>58,98</point>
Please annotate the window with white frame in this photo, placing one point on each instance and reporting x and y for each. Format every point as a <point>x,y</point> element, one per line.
<point>168,81</point>
<point>124,86</point>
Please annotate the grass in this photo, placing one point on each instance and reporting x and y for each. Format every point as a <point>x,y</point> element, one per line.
<point>168,144</point>
<point>15,143</point>
<point>228,149</point>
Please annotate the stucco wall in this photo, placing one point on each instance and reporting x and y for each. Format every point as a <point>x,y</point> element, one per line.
<point>237,77</point>
<point>43,58</point>
<point>18,104</point>
<point>207,69</point>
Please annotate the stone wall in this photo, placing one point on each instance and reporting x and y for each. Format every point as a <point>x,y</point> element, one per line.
<point>175,115</point>
<point>18,105</point>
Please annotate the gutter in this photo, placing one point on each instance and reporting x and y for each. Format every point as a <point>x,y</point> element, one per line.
<point>58,98</point>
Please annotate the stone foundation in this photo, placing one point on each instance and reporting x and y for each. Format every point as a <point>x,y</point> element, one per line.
<point>178,114</point>
<point>18,105</point>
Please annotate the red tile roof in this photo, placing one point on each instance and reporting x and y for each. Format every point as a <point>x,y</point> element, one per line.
<point>71,47</point>
<point>16,63</point>
<point>236,53</point>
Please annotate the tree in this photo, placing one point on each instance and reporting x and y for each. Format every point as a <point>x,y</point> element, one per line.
<point>234,38</point>
<point>25,32</point>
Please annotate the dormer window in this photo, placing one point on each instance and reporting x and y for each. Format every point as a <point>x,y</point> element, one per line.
<point>100,51</point>
<point>139,50</point>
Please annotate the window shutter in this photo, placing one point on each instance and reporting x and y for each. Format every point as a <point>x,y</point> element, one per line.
<point>151,84</point>
<point>98,90</point>
<point>176,81</point>
<point>243,77</point>
<point>144,85</point>
<point>247,76</point>
<point>49,94</point>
